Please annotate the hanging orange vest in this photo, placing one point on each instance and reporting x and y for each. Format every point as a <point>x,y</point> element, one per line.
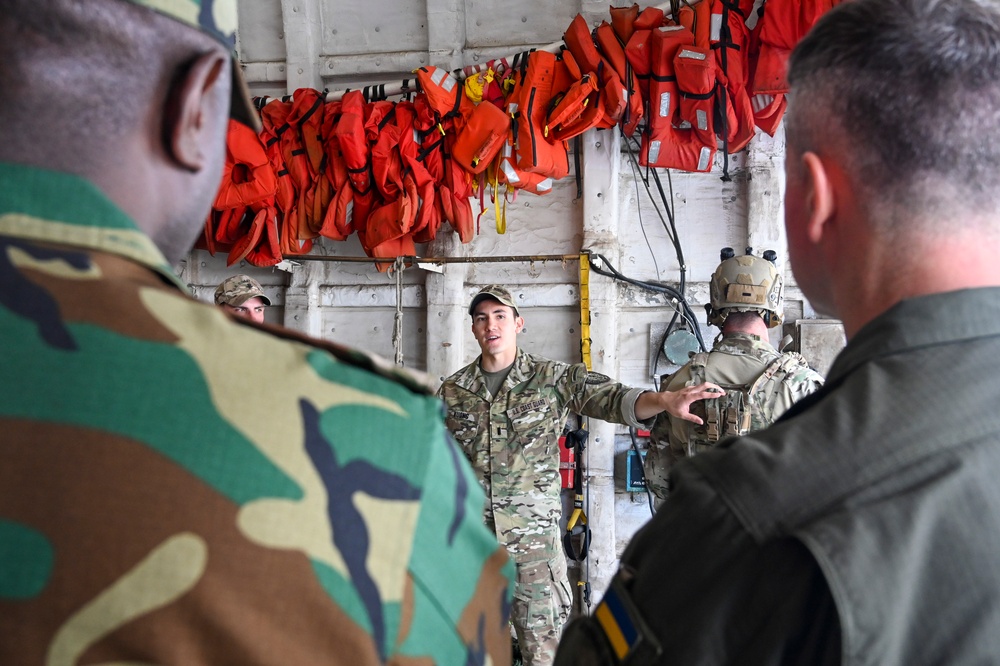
<point>665,143</point>
<point>637,51</point>
<point>623,21</point>
<point>306,104</point>
<point>534,152</point>
<point>614,54</point>
<point>350,134</point>
<point>778,30</point>
<point>247,176</point>
<point>481,138</point>
<point>730,40</point>
<point>274,120</point>
<point>696,70</point>
<point>445,96</point>
<point>317,196</point>
<point>337,221</point>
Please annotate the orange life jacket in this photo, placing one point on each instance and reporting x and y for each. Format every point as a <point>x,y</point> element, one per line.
<point>614,53</point>
<point>778,30</point>
<point>445,96</point>
<point>428,214</point>
<point>665,143</point>
<point>311,126</point>
<point>338,223</point>
<point>623,21</point>
<point>637,51</point>
<point>695,69</point>
<point>574,111</point>
<point>730,40</point>
<point>534,152</point>
<point>350,134</point>
<point>274,120</point>
<point>481,138</point>
<point>507,170</point>
<point>247,176</point>
<point>306,109</point>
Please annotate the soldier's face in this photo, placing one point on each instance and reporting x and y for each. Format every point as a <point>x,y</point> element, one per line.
<point>252,309</point>
<point>495,326</point>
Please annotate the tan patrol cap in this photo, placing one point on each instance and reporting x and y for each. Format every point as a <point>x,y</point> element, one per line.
<point>218,19</point>
<point>239,289</point>
<point>493,292</point>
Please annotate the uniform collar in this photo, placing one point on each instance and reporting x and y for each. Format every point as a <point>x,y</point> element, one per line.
<point>63,209</point>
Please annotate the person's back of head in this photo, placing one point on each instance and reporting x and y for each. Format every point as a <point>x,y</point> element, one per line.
<point>908,92</point>
<point>129,94</point>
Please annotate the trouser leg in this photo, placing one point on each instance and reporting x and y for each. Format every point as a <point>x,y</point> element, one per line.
<point>542,603</point>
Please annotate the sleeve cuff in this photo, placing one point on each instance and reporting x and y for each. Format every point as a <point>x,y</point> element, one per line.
<point>628,410</point>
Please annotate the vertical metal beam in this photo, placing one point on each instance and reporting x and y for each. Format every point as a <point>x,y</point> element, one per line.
<point>302,304</point>
<point>601,165</point>
<point>765,192</point>
<point>446,33</point>
<point>447,320</point>
<point>303,29</point>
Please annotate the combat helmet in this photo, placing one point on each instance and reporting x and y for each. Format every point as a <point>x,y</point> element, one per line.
<point>746,284</point>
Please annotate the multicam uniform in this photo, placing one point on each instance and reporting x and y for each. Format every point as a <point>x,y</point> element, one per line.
<point>512,440</point>
<point>738,361</point>
<point>180,487</point>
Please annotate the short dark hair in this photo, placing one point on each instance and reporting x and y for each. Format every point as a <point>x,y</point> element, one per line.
<point>910,91</point>
<point>78,73</point>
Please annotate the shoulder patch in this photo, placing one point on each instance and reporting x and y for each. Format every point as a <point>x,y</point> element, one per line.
<point>594,378</point>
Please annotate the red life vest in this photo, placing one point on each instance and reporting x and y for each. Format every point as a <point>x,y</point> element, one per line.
<point>534,152</point>
<point>306,109</point>
<point>274,120</point>
<point>613,50</point>
<point>247,176</point>
<point>730,40</point>
<point>481,138</point>
<point>665,143</point>
<point>445,96</point>
<point>623,21</point>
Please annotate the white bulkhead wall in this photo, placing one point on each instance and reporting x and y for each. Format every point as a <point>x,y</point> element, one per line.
<point>418,315</point>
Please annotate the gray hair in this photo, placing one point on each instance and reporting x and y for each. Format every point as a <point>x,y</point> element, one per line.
<point>908,93</point>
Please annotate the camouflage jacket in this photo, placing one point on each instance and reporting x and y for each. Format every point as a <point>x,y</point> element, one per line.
<point>513,441</point>
<point>182,487</point>
<point>738,362</point>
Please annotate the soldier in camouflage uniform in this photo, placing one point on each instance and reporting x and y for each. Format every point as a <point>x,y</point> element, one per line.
<point>162,501</point>
<point>507,410</point>
<point>760,383</point>
<point>243,296</point>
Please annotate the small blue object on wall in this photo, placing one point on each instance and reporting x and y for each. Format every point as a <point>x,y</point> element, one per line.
<point>635,480</point>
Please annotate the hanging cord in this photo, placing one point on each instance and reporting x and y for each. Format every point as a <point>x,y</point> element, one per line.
<point>397,323</point>
<point>671,230</point>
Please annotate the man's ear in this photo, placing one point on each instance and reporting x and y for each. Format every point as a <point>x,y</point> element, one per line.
<point>519,324</point>
<point>820,200</point>
<point>192,100</point>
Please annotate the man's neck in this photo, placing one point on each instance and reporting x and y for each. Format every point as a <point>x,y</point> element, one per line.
<point>497,362</point>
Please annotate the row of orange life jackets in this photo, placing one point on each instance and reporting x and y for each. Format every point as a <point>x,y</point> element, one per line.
<point>393,172</point>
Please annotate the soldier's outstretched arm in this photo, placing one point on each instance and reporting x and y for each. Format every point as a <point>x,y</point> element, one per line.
<point>676,403</point>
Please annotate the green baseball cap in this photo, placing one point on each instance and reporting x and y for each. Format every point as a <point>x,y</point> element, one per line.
<point>218,19</point>
<point>238,289</point>
<point>493,292</point>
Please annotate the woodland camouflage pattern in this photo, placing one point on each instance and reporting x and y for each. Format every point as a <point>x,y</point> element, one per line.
<point>737,360</point>
<point>513,443</point>
<point>179,487</point>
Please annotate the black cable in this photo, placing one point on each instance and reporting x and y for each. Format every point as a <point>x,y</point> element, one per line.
<point>686,311</point>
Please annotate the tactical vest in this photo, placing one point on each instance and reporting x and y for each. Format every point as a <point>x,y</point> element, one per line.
<point>744,408</point>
